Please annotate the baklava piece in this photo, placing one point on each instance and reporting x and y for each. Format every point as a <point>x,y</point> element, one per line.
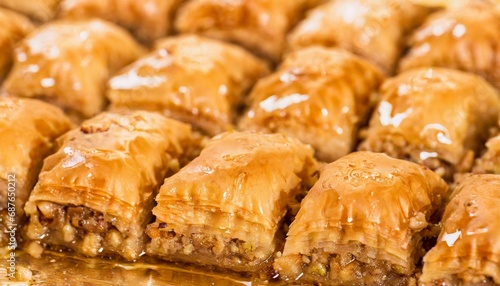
<point>14,27</point>
<point>434,116</point>
<point>28,130</point>
<point>318,95</point>
<point>40,10</point>
<point>190,78</point>
<point>468,248</point>
<point>258,25</point>
<point>464,37</point>
<point>373,29</point>
<point>95,194</point>
<point>226,207</point>
<point>67,63</point>
<point>148,20</point>
<point>362,223</point>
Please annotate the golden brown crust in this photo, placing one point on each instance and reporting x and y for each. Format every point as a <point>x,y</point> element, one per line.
<point>317,95</point>
<point>148,20</point>
<point>28,129</point>
<point>373,29</point>
<point>112,164</point>
<point>433,114</point>
<point>40,10</point>
<point>258,25</point>
<point>240,188</point>
<point>190,78</point>
<point>68,62</point>
<point>14,27</point>
<point>464,37</point>
<point>467,250</point>
<point>370,198</point>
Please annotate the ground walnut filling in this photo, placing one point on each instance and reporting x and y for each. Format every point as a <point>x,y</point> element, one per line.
<point>81,229</point>
<point>399,148</point>
<point>211,249</point>
<point>347,269</point>
<point>469,281</point>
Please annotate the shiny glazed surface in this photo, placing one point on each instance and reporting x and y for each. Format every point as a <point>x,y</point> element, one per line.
<point>258,25</point>
<point>147,19</point>
<point>14,28</point>
<point>67,63</point>
<point>373,29</point>
<point>468,246</point>
<point>368,198</point>
<point>241,183</point>
<point>190,78</point>
<point>113,163</point>
<point>464,37</point>
<point>28,130</point>
<point>429,113</point>
<point>317,95</point>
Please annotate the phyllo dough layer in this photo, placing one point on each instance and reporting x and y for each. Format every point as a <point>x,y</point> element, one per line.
<point>95,194</point>
<point>373,29</point>
<point>465,37</point>
<point>14,28</point>
<point>318,95</point>
<point>68,62</point>
<point>225,208</point>
<point>190,78</point>
<point>363,222</point>
<point>40,10</point>
<point>435,116</point>
<point>148,20</point>
<point>468,248</point>
<point>258,25</point>
<point>28,129</point>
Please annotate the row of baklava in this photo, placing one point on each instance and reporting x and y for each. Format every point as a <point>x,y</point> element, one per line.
<point>463,36</point>
<point>322,96</point>
<point>365,218</point>
<point>204,82</point>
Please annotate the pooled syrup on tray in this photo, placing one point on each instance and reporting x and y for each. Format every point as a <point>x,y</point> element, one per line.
<point>58,268</point>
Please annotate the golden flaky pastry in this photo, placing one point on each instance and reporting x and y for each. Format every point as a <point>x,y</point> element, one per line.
<point>190,78</point>
<point>28,129</point>
<point>13,28</point>
<point>465,37</point>
<point>318,95</point>
<point>468,248</point>
<point>362,222</point>
<point>435,116</point>
<point>95,194</point>
<point>68,62</point>
<point>225,208</point>
<point>40,10</point>
<point>148,20</point>
<point>373,29</point>
<point>258,25</point>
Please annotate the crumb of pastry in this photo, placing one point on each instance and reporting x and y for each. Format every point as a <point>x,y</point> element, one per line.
<point>34,249</point>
